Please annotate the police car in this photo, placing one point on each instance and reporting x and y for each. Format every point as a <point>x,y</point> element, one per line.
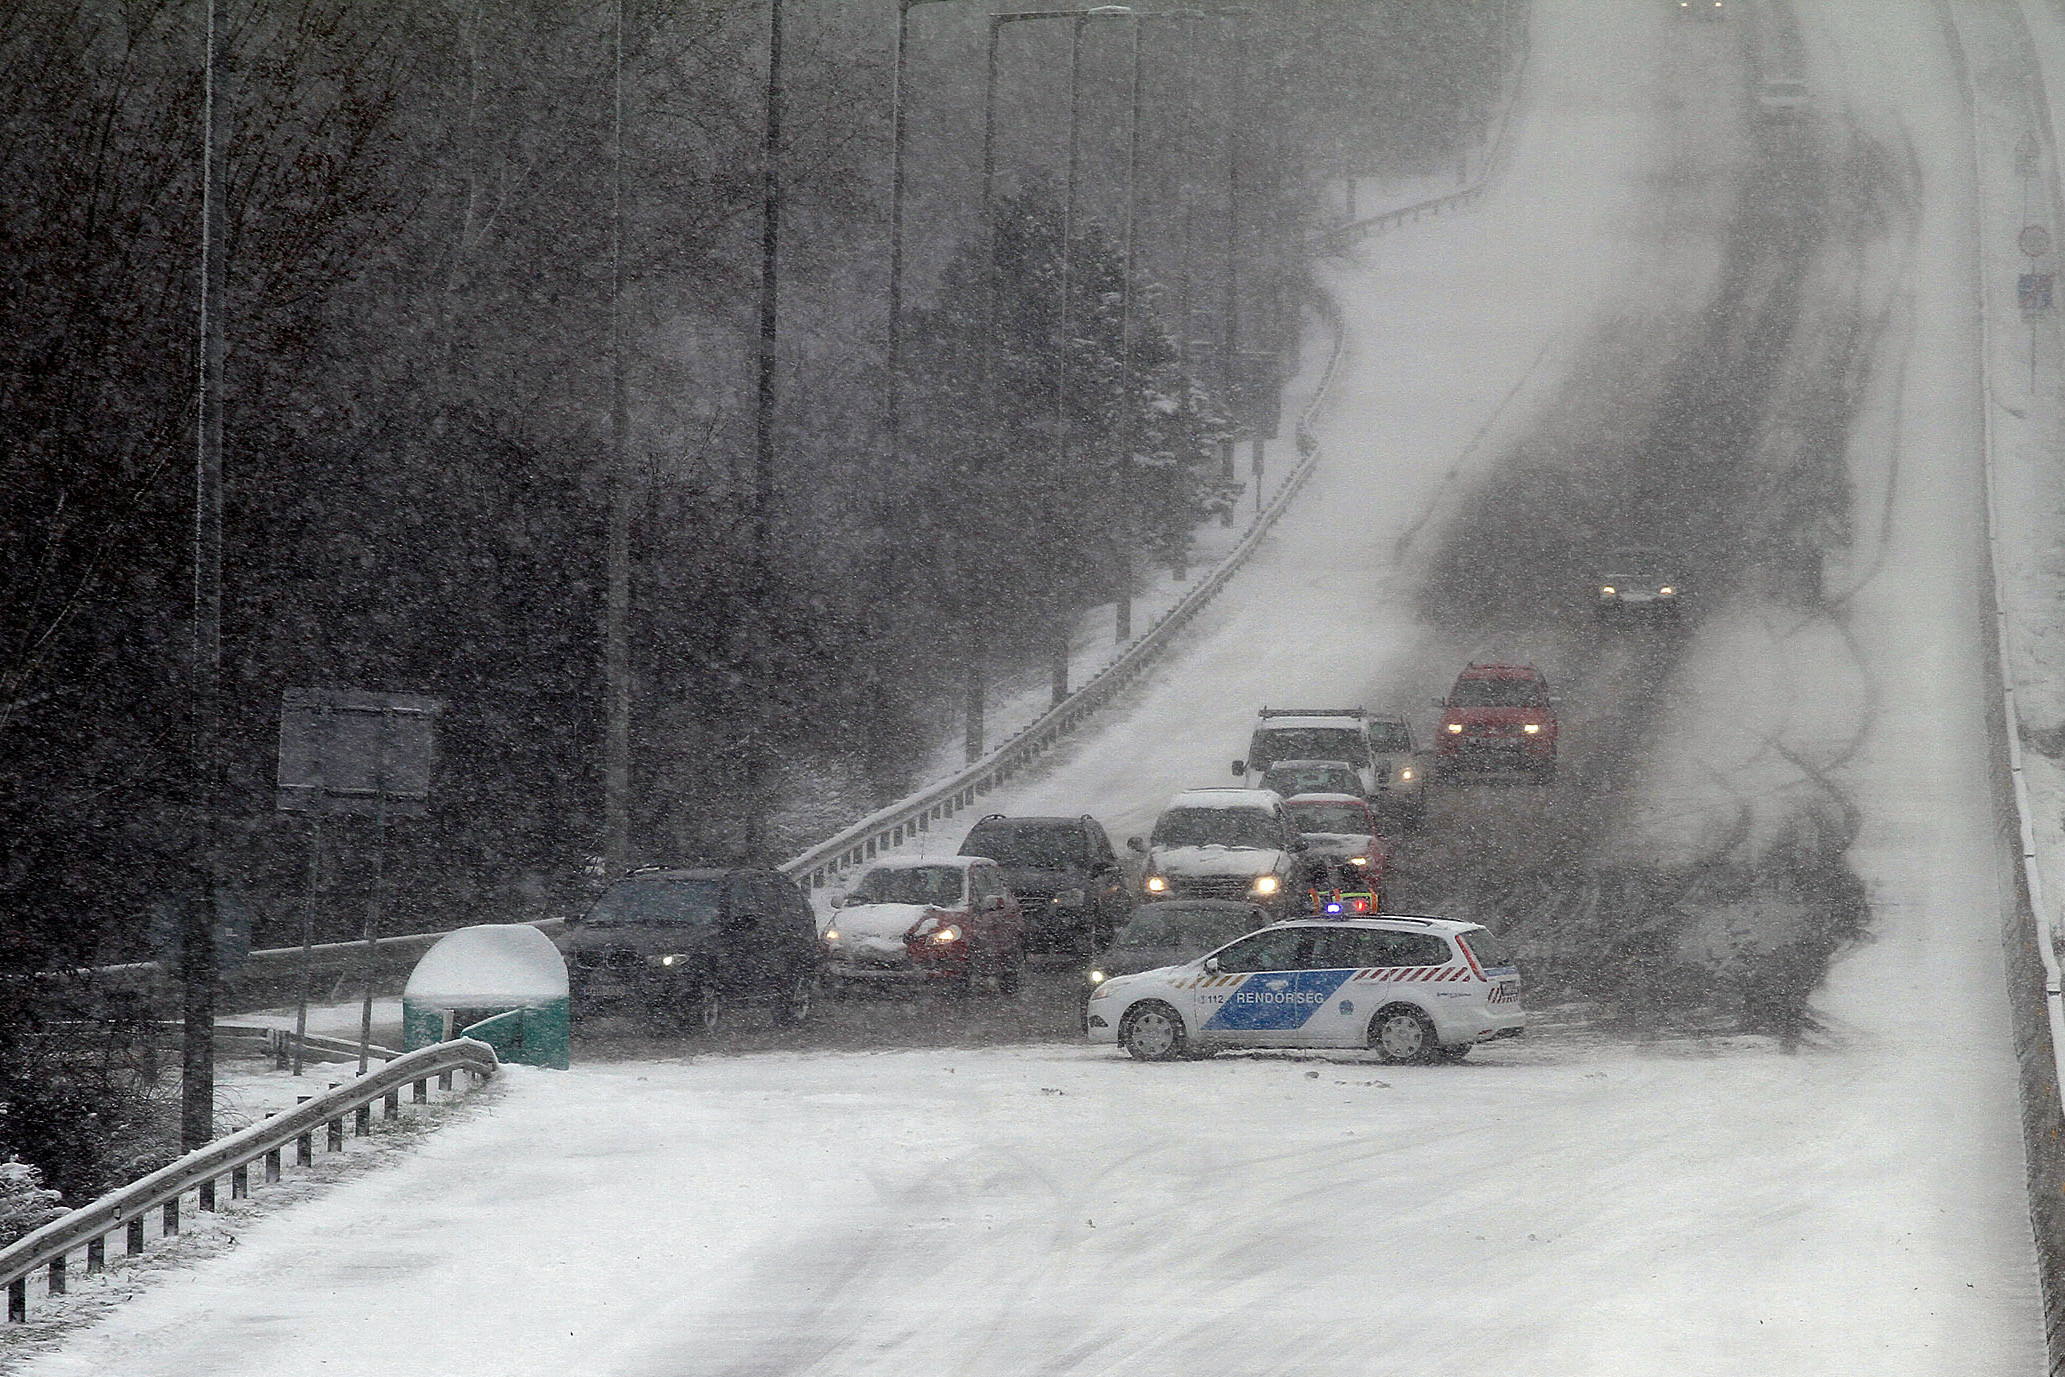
<point>1412,989</point>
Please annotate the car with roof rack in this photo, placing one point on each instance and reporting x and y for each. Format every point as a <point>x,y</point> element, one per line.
<point>1391,771</point>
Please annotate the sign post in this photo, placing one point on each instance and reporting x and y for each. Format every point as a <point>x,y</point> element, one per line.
<point>349,751</point>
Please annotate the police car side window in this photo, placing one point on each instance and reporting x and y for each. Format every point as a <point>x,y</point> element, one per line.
<point>1275,950</point>
<point>1347,949</point>
<point>1411,949</point>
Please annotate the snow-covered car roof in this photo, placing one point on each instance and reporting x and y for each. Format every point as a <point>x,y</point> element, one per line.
<point>1227,797</point>
<point>920,862</point>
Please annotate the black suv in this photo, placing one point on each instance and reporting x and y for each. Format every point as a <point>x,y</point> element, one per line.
<point>674,944</point>
<point>1065,874</point>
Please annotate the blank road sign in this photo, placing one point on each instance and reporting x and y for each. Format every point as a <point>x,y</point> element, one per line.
<point>350,751</point>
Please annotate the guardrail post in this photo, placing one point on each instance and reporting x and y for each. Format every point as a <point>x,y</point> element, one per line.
<point>97,1255</point>
<point>240,1183</point>
<point>57,1275</point>
<point>171,1220</point>
<point>419,1093</point>
<point>18,1301</point>
<point>132,1237</point>
<point>444,1080</point>
<point>272,1166</point>
<point>333,1141</point>
<point>304,1149</point>
<point>391,1105</point>
<point>362,1121</point>
<point>207,1195</point>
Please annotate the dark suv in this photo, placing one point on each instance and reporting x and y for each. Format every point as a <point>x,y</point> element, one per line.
<point>1065,874</point>
<point>674,944</point>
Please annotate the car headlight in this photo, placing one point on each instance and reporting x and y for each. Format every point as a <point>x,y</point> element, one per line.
<point>670,960</point>
<point>1069,898</point>
<point>1265,884</point>
<point>949,933</point>
<point>1665,591</point>
<point>1454,727</point>
<point>1405,774</point>
<point>1605,591</point>
<point>1358,860</point>
<point>1531,728</point>
<point>1101,991</point>
<point>831,934</point>
<point>1156,884</point>
<point>1096,977</point>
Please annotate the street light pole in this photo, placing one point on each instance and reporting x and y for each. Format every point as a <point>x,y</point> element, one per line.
<point>616,653</point>
<point>197,967</point>
<point>1065,614</point>
<point>764,442</point>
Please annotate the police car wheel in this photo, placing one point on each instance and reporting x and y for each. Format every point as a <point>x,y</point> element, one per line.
<point>1454,1054</point>
<point>1403,1036</point>
<point>1152,1032</point>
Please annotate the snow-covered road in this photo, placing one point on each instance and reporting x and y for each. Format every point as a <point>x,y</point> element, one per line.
<point>1574,1205</point>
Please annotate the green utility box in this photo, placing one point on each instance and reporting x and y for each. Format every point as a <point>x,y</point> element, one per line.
<point>504,984</point>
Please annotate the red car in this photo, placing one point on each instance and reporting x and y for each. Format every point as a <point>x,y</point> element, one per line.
<point>1341,834</point>
<point>1498,717</point>
<point>942,920</point>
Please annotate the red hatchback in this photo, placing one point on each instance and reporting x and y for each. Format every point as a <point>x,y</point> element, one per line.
<point>1498,717</point>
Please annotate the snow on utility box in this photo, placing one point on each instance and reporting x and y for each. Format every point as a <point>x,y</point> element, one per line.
<point>504,983</point>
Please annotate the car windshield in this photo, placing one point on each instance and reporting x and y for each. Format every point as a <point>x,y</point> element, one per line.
<point>656,900</point>
<point>918,884</point>
<point>1235,827</point>
<point>1389,738</point>
<point>1497,693</point>
<point>1306,743</point>
<point>1185,929</point>
<point>1312,779</point>
<point>1331,817</point>
<point>1030,848</point>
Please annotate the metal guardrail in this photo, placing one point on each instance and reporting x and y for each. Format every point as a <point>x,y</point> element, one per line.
<point>49,1248</point>
<point>909,817</point>
<point>1337,238</point>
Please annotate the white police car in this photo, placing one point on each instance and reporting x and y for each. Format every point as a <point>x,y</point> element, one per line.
<point>1413,989</point>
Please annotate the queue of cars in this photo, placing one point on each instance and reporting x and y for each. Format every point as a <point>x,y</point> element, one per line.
<point>1255,918</point>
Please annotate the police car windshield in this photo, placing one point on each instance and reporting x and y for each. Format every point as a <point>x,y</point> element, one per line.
<point>922,884</point>
<point>1305,743</point>
<point>1331,817</point>
<point>657,900</point>
<point>1389,738</point>
<point>1238,827</point>
<point>1029,848</point>
<point>1496,693</point>
<point>1172,925</point>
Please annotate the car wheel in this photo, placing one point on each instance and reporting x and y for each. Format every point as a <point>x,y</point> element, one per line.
<point>1545,773</point>
<point>1454,1054</point>
<point>1402,1035</point>
<point>798,999</point>
<point>1152,1031</point>
<point>710,1009</point>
